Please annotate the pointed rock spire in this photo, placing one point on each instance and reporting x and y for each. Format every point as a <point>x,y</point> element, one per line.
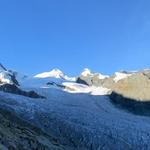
<point>2,67</point>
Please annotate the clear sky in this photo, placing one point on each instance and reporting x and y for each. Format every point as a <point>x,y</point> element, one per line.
<point>103,35</point>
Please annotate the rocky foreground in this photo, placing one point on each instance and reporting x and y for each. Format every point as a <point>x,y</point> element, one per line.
<point>17,134</point>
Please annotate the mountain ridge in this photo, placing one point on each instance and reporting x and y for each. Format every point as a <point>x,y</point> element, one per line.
<point>95,114</point>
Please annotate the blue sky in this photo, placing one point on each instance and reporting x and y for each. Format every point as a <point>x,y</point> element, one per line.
<point>103,35</point>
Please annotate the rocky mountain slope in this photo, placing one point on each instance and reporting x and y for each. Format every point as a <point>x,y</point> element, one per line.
<point>130,90</point>
<point>10,84</point>
<point>133,85</point>
<point>7,76</point>
<point>17,134</point>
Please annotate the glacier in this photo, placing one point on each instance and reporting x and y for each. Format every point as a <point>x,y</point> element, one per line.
<point>78,116</point>
<point>82,121</point>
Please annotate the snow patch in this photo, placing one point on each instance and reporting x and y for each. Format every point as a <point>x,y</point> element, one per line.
<point>54,73</point>
<point>5,78</point>
<point>119,76</point>
<point>87,72</point>
<point>100,76</point>
<point>99,90</point>
<point>80,88</point>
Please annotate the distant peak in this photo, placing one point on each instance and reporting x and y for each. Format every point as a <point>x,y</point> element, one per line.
<point>57,71</point>
<point>86,72</point>
<point>53,73</point>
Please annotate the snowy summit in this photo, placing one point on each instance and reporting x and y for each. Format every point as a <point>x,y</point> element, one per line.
<point>86,72</point>
<point>56,73</point>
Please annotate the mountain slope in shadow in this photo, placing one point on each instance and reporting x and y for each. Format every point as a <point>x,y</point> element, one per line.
<point>131,105</point>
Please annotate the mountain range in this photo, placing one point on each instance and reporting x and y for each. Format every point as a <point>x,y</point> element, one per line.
<point>89,112</point>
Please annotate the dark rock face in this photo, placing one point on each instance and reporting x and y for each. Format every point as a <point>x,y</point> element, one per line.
<point>55,84</point>
<point>13,78</point>
<point>2,67</point>
<point>15,90</point>
<point>81,81</point>
<point>131,105</point>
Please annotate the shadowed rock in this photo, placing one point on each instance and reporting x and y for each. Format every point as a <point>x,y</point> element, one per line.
<point>15,90</point>
<point>81,81</point>
<point>55,84</point>
<point>131,105</point>
<point>17,134</point>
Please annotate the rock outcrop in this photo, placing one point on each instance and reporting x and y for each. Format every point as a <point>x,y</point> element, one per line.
<point>91,79</point>
<point>135,87</point>
<point>130,90</point>
<point>15,90</point>
<point>9,84</point>
<point>132,93</point>
<point>17,134</point>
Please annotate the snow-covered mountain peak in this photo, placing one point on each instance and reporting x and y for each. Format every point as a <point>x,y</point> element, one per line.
<point>4,75</point>
<point>86,72</point>
<point>56,73</point>
<point>7,76</point>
